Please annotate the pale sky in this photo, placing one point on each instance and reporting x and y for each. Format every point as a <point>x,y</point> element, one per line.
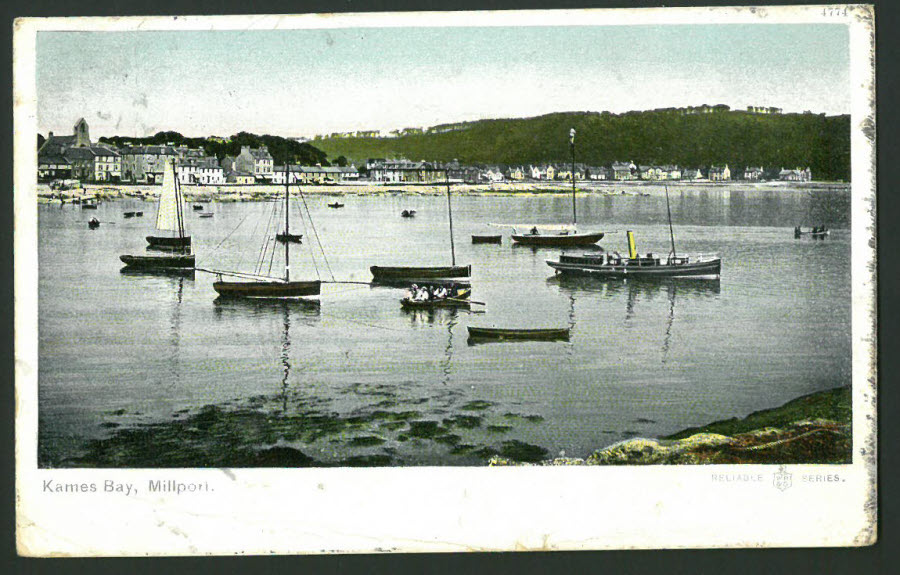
<point>307,82</point>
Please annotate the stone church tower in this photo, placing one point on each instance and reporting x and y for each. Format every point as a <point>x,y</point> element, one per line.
<point>82,137</point>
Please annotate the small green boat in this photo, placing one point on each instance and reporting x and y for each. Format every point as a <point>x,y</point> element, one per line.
<point>503,334</point>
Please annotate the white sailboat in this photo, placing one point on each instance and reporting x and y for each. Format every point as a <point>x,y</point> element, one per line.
<point>169,222</point>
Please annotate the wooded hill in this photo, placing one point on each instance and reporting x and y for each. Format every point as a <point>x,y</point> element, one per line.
<point>280,148</point>
<point>656,137</point>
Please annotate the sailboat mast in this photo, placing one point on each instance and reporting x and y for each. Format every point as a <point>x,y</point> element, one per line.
<point>287,224</point>
<point>572,145</point>
<point>450,215</point>
<point>179,213</point>
<point>671,231</point>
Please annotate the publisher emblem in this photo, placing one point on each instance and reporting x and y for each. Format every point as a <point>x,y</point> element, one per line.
<point>782,479</point>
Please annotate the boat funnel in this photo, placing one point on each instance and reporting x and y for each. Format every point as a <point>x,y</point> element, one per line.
<point>632,250</point>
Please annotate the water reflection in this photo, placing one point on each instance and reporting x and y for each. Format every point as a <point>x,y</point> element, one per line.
<point>285,358</point>
<point>448,316</point>
<point>307,308</point>
<point>186,273</point>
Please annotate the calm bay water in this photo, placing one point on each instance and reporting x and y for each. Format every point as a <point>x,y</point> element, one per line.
<point>119,351</point>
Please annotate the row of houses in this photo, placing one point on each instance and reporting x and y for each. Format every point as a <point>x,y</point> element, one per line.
<point>380,170</point>
<point>76,157</point>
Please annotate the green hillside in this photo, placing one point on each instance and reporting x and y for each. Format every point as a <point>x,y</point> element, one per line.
<point>736,138</point>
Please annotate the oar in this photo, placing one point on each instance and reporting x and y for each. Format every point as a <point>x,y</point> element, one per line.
<point>465,300</point>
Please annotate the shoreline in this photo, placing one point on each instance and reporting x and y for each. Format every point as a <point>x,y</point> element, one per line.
<point>262,192</point>
<point>814,428</point>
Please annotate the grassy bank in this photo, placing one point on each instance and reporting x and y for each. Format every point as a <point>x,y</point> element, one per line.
<point>815,428</point>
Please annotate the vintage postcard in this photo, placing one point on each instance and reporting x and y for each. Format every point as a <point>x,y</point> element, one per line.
<point>400,282</point>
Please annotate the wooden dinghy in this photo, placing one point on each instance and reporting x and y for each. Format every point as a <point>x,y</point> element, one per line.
<point>503,334</point>
<point>408,214</point>
<point>489,239</point>
<point>129,214</point>
<point>336,205</point>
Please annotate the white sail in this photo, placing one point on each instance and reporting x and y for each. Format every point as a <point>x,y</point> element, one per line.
<point>167,214</point>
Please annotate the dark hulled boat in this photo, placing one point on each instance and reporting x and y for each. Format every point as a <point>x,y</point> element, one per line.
<point>129,214</point>
<point>489,239</point>
<point>558,240</point>
<point>613,265</point>
<point>565,238</point>
<point>269,287</point>
<point>198,207</point>
<point>649,265</point>
<point>288,238</point>
<point>395,274</point>
<point>408,213</point>
<point>93,223</point>
<point>503,334</point>
<point>160,261</point>
<point>336,205</point>
<point>403,273</point>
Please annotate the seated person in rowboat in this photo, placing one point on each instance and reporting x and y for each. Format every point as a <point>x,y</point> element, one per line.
<point>441,293</point>
<point>534,231</point>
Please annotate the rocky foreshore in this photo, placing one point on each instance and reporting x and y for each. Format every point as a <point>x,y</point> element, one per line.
<point>814,428</point>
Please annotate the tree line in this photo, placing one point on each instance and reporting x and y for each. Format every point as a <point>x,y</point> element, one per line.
<point>657,137</point>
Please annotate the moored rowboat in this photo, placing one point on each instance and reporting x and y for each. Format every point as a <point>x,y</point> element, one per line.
<point>499,334</point>
<point>490,239</point>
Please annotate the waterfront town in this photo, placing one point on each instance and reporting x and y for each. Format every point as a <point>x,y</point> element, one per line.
<point>77,157</point>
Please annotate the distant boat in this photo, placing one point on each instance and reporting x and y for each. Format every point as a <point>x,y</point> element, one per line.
<point>129,214</point>
<point>491,239</point>
<point>613,265</point>
<point>449,293</point>
<point>336,205</point>
<point>288,238</point>
<point>169,218</point>
<point>266,286</point>
<point>501,334</point>
<point>93,223</point>
<point>567,237</point>
<point>206,215</point>
<point>139,214</point>
<point>88,206</point>
<point>394,274</point>
<point>408,213</point>
<point>818,232</point>
<point>198,207</point>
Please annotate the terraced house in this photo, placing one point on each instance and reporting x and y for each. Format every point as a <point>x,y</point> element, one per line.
<point>255,161</point>
<point>145,164</point>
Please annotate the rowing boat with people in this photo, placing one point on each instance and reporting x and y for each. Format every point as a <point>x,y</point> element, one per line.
<point>437,294</point>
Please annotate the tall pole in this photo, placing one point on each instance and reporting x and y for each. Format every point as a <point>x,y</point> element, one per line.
<point>671,231</point>
<point>450,215</point>
<point>287,225</point>
<point>572,145</point>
